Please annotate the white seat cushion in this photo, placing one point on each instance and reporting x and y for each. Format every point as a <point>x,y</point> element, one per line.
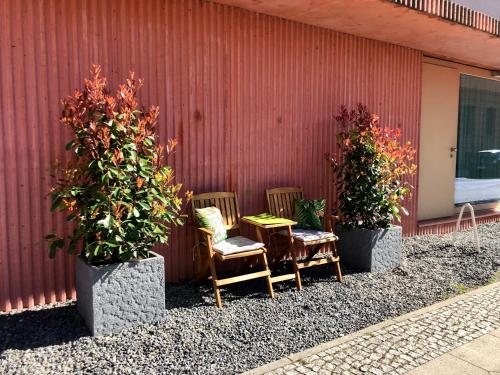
<point>306,235</point>
<point>236,244</point>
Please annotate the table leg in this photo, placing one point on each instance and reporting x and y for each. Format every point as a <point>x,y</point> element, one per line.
<point>258,233</point>
<point>280,253</point>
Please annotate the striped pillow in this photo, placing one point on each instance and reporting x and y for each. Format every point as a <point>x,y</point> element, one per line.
<point>309,213</point>
<point>211,218</point>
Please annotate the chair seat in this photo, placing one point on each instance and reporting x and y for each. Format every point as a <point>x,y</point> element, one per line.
<point>309,235</point>
<point>238,244</point>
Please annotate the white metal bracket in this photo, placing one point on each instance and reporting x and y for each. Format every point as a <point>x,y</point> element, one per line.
<point>474,226</point>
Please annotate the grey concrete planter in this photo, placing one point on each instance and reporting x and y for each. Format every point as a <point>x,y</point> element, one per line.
<point>370,250</point>
<point>112,297</point>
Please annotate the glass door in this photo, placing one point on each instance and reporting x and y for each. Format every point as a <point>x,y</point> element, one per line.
<point>478,154</point>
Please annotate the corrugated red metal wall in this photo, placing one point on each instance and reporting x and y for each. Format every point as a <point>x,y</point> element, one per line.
<point>250,98</point>
<point>449,226</point>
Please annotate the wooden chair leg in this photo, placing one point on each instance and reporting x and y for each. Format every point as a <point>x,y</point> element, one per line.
<point>338,272</point>
<point>293,250</point>
<point>268,278</point>
<point>298,281</point>
<point>337,264</point>
<point>213,271</point>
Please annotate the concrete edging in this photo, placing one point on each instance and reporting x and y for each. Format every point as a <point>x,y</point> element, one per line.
<point>327,345</point>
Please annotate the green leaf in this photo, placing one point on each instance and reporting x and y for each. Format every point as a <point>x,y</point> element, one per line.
<point>144,205</point>
<point>54,245</point>
<point>59,243</point>
<point>97,249</point>
<point>135,211</point>
<point>56,202</point>
<point>52,250</point>
<point>72,246</point>
<point>107,222</point>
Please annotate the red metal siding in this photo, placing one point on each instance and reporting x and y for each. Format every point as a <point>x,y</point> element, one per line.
<point>449,227</point>
<point>251,98</point>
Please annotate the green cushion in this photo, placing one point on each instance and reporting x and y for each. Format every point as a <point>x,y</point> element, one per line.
<point>309,213</point>
<point>211,218</point>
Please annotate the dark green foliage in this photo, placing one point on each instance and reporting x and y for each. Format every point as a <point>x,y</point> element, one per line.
<point>115,189</point>
<point>371,175</point>
<point>309,213</point>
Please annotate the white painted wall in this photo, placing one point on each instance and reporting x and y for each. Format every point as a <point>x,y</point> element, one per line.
<point>490,7</point>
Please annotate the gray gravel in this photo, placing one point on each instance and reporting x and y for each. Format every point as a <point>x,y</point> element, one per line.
<point>252,329</point>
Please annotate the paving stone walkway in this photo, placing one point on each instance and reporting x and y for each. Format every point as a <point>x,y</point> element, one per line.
<point>400,345</point>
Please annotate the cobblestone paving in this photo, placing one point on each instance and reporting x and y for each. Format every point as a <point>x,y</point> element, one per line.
<point>399,347</point>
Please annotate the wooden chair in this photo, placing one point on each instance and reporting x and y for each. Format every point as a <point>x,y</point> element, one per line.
<point>233,248</point>
<point>281,203</point>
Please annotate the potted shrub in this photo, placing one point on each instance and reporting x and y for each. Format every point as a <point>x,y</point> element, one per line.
<point>121,198</point>
<point>371,178</point>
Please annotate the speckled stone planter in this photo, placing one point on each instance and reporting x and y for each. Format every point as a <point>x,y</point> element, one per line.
<point>370,250</point>
<point>114,296</point>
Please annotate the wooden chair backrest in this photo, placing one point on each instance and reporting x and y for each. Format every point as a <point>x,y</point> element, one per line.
<point>226,202</point>
<point>281,201</point>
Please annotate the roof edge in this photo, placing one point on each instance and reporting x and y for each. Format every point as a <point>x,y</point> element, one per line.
<point>456,13</point>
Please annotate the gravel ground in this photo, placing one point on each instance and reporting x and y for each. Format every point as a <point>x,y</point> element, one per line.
<point>251,329</point>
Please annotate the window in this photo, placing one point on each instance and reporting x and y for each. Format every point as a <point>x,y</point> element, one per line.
<point>478,154</point>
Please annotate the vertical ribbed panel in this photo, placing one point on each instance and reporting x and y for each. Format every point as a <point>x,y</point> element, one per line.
<point>448,227</point>
<point>456,13</point>
<point>251,99</point>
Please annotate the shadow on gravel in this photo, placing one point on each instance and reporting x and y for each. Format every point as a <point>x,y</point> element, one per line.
<point>188,295</point>
<point>184,295</point>
<point>39,328</point>
<point>446,251</point>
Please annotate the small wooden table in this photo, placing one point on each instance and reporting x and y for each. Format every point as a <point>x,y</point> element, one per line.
<point>260,227</point>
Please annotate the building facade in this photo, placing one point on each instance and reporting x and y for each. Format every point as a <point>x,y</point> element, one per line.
<point>250,91</point>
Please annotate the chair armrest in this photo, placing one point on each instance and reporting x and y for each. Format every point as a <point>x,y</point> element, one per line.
<point>330,221</point>
<point>206,233</point>
<point>332,217</point>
